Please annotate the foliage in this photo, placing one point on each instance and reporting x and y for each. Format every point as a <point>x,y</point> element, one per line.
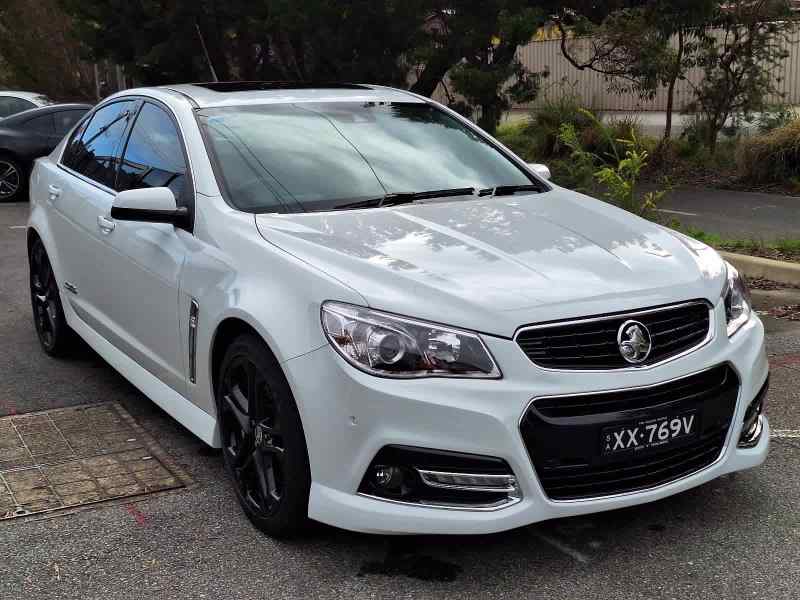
<point>774,117</point>
<point>551,115</point>
<point>620,169</point>
<point>581,162</point>
<point>737,62</point>
<point>772,157</point>
<point>517,137</point>
<point>640,46</point>
<point>39,52</point>
<point>622,181</point>
<point>489,75</point>
<point>321,40</point>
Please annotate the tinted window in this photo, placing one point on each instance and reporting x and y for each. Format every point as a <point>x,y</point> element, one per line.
<point>11,106</point>
<point>94,148</point>
<point>43,125</point>
<point>66,119</point>
<point>295,157</point>
<point>154,155</point>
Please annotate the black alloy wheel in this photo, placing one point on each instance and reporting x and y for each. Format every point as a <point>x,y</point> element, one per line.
<point>263,444</point>
<point>54,334</point>
<point>12,179</point>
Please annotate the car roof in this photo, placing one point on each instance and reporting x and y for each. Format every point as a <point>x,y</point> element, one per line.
<point>32,96</point>
<point>239,93</point>
<point>31,113</point>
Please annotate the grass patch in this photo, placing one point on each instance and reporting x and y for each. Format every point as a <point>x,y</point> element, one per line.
<point>784,249</point>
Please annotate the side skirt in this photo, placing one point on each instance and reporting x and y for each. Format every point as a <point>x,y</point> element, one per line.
<point>196,420</point>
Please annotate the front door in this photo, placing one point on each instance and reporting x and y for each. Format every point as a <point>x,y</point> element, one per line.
<point>142,292</point>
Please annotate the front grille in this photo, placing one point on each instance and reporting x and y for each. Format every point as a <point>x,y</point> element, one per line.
<point>563,435</point>
<point>591,343</point>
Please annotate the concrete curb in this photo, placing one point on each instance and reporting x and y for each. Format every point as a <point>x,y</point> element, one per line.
<point>755,266</point>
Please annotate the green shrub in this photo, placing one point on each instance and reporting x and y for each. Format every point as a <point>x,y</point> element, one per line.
<point>549,118</point>
<point>772,157</point>
<point>520,140</point>
<point>775,117</point>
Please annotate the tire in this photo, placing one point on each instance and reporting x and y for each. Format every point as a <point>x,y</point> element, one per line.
<point>263,444</point>
<point>55,336</point>
<point>13,179</point>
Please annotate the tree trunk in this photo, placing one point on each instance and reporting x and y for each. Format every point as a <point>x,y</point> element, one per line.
<point>673,79</point>
<point>670,103</point>
<point>490,117</point>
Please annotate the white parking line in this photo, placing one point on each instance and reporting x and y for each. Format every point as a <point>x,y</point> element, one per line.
<point>785,433</point>
<point>676,212</point>
<point>562,547</point>
<point>17,226</point>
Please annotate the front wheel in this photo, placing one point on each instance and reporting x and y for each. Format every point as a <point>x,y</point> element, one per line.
<point>263,444</point>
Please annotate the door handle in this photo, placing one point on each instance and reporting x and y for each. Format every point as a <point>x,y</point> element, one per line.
<point>105,224</point>
<point>53,192</point>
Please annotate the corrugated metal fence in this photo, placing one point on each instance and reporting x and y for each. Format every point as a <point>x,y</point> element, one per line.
<point>593,88</point>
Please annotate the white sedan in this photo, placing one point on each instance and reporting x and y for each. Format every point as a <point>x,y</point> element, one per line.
<point>12,102</point>
<point>386,320</point>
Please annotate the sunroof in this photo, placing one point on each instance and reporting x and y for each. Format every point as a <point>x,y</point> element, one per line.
<point>255,86</point>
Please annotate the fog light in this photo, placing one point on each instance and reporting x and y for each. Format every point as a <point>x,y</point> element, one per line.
<point>387,477</point>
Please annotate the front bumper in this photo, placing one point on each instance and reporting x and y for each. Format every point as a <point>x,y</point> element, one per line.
<point>349,416</point>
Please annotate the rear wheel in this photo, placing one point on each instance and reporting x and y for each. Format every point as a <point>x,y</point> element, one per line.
<point>55,335</point>
<point>263,444</point>
<point>12,179</point>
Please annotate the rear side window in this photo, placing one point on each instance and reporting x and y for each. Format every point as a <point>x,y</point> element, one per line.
<point>11,106</point>
<point>66,119</point>
<point>43,125</point>
<point>93,150</point>
<point>154,155</point>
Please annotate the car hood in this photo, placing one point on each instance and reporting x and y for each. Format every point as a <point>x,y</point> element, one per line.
<point>494,264</point>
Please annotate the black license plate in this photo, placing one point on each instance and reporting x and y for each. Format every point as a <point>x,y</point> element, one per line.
<point>649,433</point>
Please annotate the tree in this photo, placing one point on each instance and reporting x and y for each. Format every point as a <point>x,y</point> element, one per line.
<point>159,41</point>
<point>475,43</point>
<point>41,54</point>
<point>639,48</point>
<point>738,59</point>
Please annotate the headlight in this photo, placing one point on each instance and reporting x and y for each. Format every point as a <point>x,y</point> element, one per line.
<point>737,300</point>
<point>392,346</point>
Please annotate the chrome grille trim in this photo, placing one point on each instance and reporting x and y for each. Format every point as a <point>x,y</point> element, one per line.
<point>624,315</point>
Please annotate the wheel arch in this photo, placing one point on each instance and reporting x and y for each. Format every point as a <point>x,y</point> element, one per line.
<point>226,331</point>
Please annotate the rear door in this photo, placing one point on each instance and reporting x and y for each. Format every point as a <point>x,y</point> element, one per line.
<point>82,192</point>
<point>142,288</point>
<point>39,135</point>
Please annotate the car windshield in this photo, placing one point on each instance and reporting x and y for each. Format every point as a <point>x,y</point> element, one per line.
<point>301,157</point>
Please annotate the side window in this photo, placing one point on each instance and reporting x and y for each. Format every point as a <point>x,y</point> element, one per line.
<point>154,155</point>
<point>65,119</point>
<point>11,106</point>
<point>94,149</point>
<point>43,125</point>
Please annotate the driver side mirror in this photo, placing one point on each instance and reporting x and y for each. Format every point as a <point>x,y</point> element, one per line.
<point>541,170</point>
<point>149,205</point>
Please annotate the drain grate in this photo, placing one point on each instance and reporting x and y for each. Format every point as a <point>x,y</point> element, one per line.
<point>75,456</point>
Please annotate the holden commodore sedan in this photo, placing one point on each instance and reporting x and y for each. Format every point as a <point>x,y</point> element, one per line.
<point>386,320</point>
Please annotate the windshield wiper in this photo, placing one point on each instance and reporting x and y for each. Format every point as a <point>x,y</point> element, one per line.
<point>405,198</point>
<point>509,190</point>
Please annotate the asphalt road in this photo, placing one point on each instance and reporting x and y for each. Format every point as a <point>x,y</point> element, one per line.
<point>735,215</point>
<point>737,537</point>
